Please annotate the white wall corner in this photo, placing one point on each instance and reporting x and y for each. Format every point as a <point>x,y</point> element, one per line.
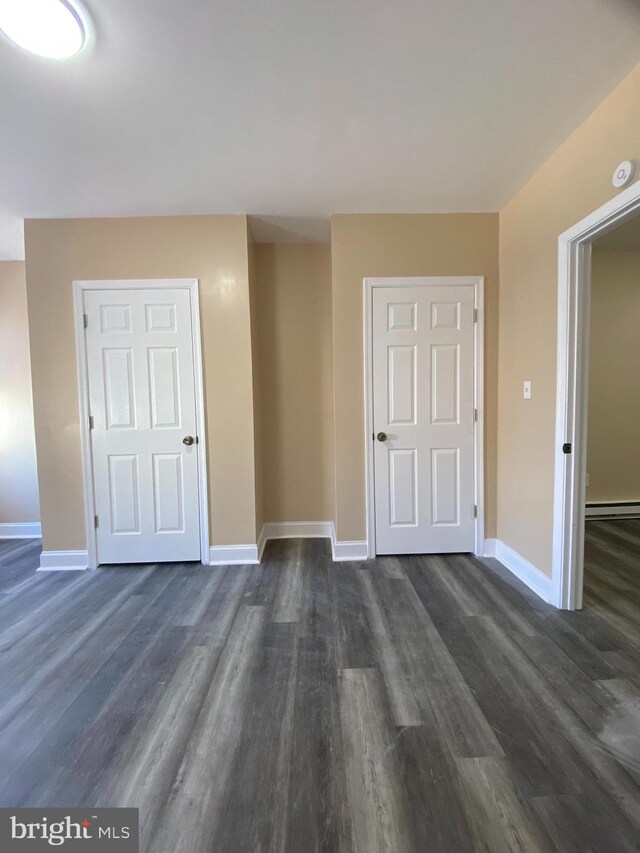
<point>21,530</point>
<point>490,547</point>
<point>233,555</point>
<point>525,571</point>
<point>262,541</point>
<point>63,561</point>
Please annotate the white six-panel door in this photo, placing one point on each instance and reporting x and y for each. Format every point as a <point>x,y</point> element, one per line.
<point>140,369</point>
<point>423,418</point>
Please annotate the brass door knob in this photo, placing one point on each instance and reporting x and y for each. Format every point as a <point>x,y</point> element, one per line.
<point>381,436</point>
<point>188,440</point>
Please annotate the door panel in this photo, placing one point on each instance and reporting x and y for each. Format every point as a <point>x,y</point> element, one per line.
<point>445,384</point>
<point>142,401</point>
<point>168,492</point>
<point>163,387</point>
<point>402,384</point>
<point>423,399</point>
<point>124,494</point>
<point>118,388</point>
<point>403,488</point>
<point>115,318</point>
<point>445,487</point>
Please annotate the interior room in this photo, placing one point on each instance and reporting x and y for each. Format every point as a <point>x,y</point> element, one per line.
<point>612,535</point>
<point>319,470</point>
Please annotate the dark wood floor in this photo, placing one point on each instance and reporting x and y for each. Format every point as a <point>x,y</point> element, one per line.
<point>407,704</point>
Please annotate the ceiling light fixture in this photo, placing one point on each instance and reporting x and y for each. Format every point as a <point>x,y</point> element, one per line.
<point>50,28</point>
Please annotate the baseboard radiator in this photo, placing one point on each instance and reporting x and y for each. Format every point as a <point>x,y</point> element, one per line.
<point>612,509</point>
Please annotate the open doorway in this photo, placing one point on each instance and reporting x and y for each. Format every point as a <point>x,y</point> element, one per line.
<point>597,401</point>
<point>612,526</point>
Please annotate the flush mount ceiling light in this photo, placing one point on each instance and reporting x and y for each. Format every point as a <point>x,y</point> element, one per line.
<point>49,28</point>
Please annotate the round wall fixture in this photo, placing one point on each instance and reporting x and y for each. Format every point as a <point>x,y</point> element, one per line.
<point>50,28</point>
<point>623,174</point>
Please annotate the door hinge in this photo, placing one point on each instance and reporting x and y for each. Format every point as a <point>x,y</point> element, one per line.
<point>85,321</point>
<point>96,521</point>
<point>475,315</point>
<point>475,511</point>
<point>90,421</point>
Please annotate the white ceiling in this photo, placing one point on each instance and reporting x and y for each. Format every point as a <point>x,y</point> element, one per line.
<point>293,110</point>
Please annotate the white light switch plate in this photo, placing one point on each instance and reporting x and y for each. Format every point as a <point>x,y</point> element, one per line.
<point>526,389</point>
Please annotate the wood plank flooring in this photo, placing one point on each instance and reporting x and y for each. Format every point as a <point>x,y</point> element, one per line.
<point>404,704</point>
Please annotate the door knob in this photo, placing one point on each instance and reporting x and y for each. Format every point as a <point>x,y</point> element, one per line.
<point>188,440</point>
<point>381,436</point>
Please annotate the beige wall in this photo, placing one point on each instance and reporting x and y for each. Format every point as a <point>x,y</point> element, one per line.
<point>18,481</point>
<point>257,387</point>
<point>210,248</point>
<point>295,374</point>
<point>401,245</point>
<point>574,181</point>
<point>613,447</point>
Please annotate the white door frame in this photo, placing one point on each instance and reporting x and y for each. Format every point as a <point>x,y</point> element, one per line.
<point>191,285</point>
<point>477,283</point>
<point>574,285</point>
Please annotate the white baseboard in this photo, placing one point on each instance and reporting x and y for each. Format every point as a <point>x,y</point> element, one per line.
<point>340,551</point>
<point>21,530</point>
<point>229,555</point>
<point>297,530</point>
<point>345,550</point>
<point>525,571</point>
<point>609,510</point>
<point>233,555</point>
<point>63,561</point>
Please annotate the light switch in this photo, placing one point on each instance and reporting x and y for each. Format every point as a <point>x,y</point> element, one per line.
<point>526,389</point>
